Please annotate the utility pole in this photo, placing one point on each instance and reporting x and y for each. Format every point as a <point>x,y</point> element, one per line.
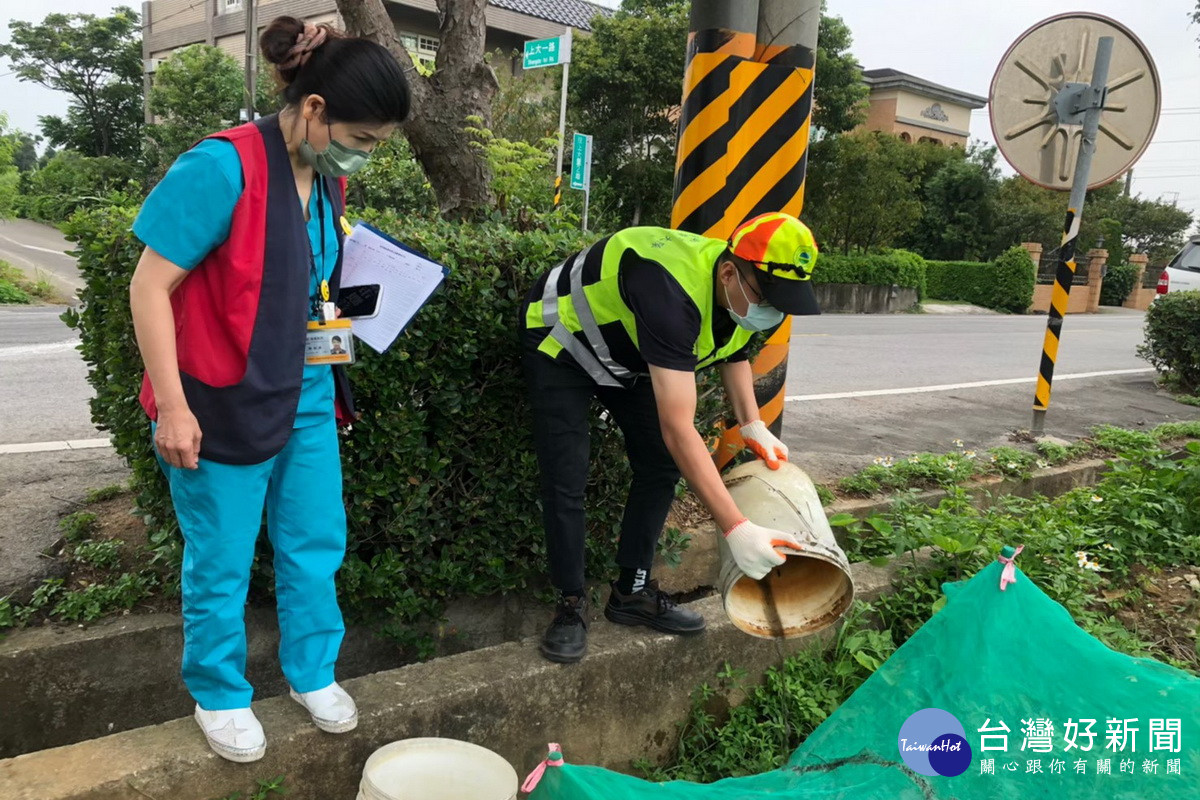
<point>1128,181</point>
<point>251,58</point>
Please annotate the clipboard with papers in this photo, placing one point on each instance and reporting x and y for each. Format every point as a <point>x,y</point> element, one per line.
<point>407,280</point>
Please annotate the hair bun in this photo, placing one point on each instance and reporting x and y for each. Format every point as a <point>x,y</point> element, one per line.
<point>279,38</point>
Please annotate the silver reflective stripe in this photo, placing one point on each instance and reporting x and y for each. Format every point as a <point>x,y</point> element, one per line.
<point>550,296</point>
<point>587,320</point>
<point>559,333</point>
<point>583,357</point>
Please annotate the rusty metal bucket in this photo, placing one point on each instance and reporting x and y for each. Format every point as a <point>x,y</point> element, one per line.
<point>813,588</point>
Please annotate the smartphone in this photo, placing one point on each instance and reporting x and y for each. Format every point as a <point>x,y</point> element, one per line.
<point>360,302</point>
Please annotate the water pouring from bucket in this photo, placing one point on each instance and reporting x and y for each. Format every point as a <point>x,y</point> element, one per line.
<point>813,588</point>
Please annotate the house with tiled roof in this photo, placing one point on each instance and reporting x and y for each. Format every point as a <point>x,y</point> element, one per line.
<point>170,25</point>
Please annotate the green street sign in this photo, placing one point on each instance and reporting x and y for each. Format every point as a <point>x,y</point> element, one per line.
<point>581,162</point>
<point>547,52</point>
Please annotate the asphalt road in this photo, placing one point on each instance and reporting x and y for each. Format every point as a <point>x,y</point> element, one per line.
<point>863,386</point>
<point>41,252</point>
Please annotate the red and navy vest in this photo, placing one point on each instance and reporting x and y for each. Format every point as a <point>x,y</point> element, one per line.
<point>242,313</point>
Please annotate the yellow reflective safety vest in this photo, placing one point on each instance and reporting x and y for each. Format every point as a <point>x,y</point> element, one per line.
<point>573,317</point>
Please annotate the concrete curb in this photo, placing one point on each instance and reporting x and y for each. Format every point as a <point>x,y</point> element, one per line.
<point>506,698</point>
<point>700,564</point>
<point>126,671</point>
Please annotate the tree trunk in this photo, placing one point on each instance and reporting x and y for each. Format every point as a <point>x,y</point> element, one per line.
<point>461,86</point>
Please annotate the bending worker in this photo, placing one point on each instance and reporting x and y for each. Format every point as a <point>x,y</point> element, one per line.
<point>241,269</point>
<point>629,321</point>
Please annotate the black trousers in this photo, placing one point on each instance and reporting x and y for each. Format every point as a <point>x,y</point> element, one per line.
<point>561,395</point>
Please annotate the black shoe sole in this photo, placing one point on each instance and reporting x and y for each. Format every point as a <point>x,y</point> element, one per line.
<point>560,658</point>
<point>623,618</point>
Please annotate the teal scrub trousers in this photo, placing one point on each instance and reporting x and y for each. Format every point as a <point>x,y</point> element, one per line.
<point>219,507</point>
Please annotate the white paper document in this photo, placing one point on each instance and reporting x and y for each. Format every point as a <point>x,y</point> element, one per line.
<point>406,279</point>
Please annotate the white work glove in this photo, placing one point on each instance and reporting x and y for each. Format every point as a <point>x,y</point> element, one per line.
<point>764,443</point>
<point>753,547</point>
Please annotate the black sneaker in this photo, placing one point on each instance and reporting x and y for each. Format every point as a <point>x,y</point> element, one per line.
<point>565,641</point>
<point>653,608</point>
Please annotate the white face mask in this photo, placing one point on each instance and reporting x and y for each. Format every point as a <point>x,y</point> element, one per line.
<point>758,317</point>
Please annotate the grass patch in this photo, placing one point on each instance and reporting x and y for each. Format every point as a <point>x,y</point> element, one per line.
<point>16,288</point>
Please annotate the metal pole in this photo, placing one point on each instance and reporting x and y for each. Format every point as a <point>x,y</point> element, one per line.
<point>251,58</point>
<point>147,78</point>
<point>587,198</point>
<point>1093,100</point>
<point>562,121</point>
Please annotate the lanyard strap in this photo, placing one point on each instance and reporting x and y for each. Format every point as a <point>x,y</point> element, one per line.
<point>322,284</point>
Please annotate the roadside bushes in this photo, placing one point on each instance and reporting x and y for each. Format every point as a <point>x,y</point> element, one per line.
<point>441,480</point>
<point>1118,283</point>
<point>71,181</point>
<point>892,268</point>
<point>1173,338</point>
<point>1005,284</point>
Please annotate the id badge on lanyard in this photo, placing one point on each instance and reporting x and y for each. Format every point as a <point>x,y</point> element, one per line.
<point>329,341</point>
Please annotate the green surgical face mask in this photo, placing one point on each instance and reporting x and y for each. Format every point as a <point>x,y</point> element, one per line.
<point>335,161</point>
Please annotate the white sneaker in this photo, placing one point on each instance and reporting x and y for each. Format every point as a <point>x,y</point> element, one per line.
<point>234,734</point>
<point>332,710</point>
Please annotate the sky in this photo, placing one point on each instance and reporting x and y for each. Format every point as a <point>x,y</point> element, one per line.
<point>953,42</point>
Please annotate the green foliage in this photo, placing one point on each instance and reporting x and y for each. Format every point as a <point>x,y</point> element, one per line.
<point>78,526</point>
<point>923,470</point>
<point>1173,338</point>
<point>100,599</point>
<point>10,178</point>
<point>97,62</point>
<point>197,91</point>
<point>625,82</point>
<point>71,181</point>
<point>522,178</point>
<point>1005,284</point>
<point>1112,439</point>
<point>861,190</point>
<point>104,493</point>
<point>1118,283</point>
<point>392,180</point>
<point>10,293</point>
<point>526,106</point>
<point>892,268</point>
<point>440,479</point>
<point>838,83</point>
<point>776,716</point>
<point>103,554</point>
<point>264,791</point>
<point>958,204</point>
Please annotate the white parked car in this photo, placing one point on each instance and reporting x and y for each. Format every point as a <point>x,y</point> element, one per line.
<point>1183,273</point>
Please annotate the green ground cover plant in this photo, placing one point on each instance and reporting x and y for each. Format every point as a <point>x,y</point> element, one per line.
<point>1091,550</point>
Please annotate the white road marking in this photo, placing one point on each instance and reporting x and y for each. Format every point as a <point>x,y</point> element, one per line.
<point>35,247</point>
<point>49,447</point>
<point>18,351</point>
<point>947,387</point>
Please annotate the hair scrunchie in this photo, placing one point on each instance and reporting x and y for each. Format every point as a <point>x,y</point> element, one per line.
<point>307,41</point>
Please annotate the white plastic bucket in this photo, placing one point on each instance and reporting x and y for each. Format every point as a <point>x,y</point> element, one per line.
<point>436,769</point>
<point>813,588</point>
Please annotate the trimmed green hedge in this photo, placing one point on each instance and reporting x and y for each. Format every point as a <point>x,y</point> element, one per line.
<point>1118,283</point>
<point>1005,284</point>
<point>440,477</point>
<point>893,268</point>
<point>1173,338</point>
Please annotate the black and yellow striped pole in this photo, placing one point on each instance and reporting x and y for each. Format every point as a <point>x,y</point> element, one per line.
<point>743,141</point>
<point>1091,100</point>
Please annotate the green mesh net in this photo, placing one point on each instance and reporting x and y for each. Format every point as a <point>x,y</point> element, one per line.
<point>993,659</point>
